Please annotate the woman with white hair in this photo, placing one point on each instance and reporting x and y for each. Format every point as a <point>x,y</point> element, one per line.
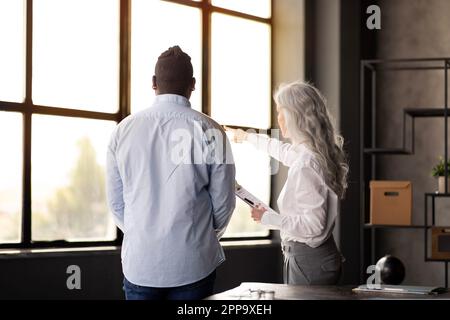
<point>317,179</point>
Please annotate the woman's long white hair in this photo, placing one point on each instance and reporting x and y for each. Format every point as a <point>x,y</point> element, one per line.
<point>308,121</point>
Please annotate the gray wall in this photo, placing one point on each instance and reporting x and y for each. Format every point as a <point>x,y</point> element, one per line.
<point>327,27</point>
<point>412,29</point>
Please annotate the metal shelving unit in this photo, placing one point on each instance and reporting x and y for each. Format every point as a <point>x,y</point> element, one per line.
<point>370,151</point>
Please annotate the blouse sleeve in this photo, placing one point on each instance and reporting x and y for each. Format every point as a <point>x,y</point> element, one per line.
<point>277,149</point>
<point>271,220</point>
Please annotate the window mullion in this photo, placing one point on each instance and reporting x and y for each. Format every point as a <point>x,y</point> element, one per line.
<point>26,185</point>
<point>206,57</point>
<point>125,58</point>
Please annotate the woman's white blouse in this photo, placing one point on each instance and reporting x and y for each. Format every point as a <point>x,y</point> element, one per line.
<point>307,206</point>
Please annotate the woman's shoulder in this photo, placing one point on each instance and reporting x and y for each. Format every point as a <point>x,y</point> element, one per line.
<point>306,159</point>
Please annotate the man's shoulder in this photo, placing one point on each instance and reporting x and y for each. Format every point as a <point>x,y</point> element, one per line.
<point>134,116</point>
<point>209,123</point>
<point>124,122</point>
<point>190,114</point>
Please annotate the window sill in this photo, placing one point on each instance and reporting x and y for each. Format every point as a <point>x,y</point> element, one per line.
<point>113,250</point>
<point>247,244</point>
<point>58,252</point>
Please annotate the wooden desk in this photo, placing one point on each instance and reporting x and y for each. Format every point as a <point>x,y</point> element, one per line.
<point>290,292</point>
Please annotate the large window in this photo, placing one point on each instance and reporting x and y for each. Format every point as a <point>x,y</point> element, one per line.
<point>10,176</point>
<point>157,25</point>
<point>230,46</point>
<point>59,101</point>
<point>71,69</point>
<point>76,54</point>
<point>71,205</point>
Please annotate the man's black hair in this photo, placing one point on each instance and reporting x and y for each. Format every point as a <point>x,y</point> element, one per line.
<point>173,71</point>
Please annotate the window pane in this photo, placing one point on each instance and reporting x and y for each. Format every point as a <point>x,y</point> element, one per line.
<point>253,173</point>
<point>10,176</point>
<point>260,8</point>
<point>240,72</point>
<point>12,52</point>
<point>157,26</point>
<point>76,54</point>
<point>68,179</point>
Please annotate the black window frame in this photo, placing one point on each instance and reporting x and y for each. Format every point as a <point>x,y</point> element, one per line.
<point>27,108</point>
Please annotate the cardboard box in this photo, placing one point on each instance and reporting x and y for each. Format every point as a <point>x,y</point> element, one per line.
<point>390,202</point>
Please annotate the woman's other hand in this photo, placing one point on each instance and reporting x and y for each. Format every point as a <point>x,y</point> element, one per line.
<point>258,212</point>
<point>239,135</point>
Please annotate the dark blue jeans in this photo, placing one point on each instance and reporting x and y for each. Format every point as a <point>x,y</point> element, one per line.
<point>194,291</point>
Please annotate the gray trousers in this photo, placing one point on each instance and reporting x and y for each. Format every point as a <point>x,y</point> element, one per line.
<point>304,265</point>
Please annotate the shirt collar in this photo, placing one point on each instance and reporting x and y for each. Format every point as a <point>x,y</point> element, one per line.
<point>173,98</point>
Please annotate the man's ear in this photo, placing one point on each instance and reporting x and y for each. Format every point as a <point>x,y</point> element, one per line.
<point>154,86</point>
<point>193,83</point>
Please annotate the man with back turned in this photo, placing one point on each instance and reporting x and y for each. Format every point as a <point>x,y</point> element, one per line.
<point>171,204</point>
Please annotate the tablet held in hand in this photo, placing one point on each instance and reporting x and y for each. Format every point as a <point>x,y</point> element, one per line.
<point>250,199</point>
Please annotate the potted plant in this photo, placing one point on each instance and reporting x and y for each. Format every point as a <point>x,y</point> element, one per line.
<point>439,172</point>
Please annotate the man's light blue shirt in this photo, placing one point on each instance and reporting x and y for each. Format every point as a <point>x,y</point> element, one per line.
<point>171,207</point>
